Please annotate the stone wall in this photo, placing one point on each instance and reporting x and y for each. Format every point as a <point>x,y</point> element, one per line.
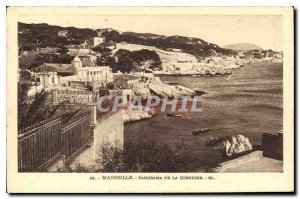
<point>237,162</point>
<point>110,131</point>
<point>74,96</point>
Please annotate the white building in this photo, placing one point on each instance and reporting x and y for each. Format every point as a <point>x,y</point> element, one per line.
<point>78,51</point>
<point>89,74</point>
<point>77,72</point>
<point>98,40</point>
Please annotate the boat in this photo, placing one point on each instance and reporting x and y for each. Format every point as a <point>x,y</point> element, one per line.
<point>174,114</point>
<point>201,131</point>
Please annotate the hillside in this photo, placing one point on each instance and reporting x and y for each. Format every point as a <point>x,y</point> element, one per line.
<point>243,46</point>
<point>165,56</point>
<point>191,45</point>
<point>32,36</point>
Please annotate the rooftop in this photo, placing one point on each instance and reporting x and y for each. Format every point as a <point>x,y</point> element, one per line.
<point>57,67</point>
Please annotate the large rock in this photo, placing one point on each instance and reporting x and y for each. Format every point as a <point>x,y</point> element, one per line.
<point>231,145</point>
<point>236,145</point>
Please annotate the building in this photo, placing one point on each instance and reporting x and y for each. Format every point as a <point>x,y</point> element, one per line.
<point>60,69</point>
<point>99,33</point>
<point>89,74</point>
<point>127,93</point>
<point>62,33</point>
<point>78,50</point>
<point>48,51</point>
<point>109,45</point>
<point>98,40</point>
<point>49,78</point>
<point>77,71</point>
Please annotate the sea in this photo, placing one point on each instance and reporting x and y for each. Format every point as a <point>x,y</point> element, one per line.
<point>247,102</point>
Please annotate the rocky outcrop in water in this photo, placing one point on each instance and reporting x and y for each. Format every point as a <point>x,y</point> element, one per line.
<point>236,145</point>
<point>158,88</point>
<point>231,145</point>
<point>137,114</point>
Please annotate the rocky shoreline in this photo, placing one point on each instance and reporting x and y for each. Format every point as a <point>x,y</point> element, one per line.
<point>213,66</point>
<point>159,88</point>
<point>137,114</point>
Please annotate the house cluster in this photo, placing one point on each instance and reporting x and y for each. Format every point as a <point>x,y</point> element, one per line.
<point>94,81</point>
<point>78,76</point>
<point>83,67</point>
<point>260,55</point>
<point>83,73</point>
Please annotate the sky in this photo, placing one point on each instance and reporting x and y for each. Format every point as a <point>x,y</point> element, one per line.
<point>262,30</point>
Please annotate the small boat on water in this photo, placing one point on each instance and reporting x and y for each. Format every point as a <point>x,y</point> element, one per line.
<point>174,114</point>
<point>201,131</point>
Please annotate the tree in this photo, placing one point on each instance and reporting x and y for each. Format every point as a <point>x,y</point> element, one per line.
<point>63,50</point>
<point>146,156</point>
<point>105,55</point>
<point>147,58</point>
<point>32,110</point>
<point>128,61</point>
<point>41,38</point>
<point>112,36</point>
<point>24,85</point>
<point>29,47</point>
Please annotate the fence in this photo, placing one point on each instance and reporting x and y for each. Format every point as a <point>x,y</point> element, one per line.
<point>38,144</point>
<point>74,136</point>
<point>42,143</point>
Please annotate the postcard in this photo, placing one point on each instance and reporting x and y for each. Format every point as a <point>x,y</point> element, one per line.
<point>150,99</point>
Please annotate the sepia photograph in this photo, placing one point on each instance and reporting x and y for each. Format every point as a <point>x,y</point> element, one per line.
<point>125,94</point>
